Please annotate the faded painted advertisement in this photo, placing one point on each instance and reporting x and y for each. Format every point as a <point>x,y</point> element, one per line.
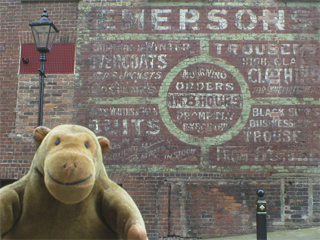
<point>207,85</point>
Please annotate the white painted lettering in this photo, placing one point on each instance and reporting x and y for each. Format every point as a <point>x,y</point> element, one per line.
<point>252,19</point>
<point>129,21</point>
<point>184,21</point>
<point>270,18</point>
<point>157,21</point>
<point>222,22</point>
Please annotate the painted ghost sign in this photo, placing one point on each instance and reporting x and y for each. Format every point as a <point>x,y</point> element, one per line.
<point>187,85</point>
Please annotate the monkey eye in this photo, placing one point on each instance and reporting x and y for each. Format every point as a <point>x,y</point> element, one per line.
<point>57,141</point>
<point>86,144</point>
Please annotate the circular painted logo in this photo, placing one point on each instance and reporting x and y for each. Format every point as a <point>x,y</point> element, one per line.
<point>204,100</point>
<point>207,101</point>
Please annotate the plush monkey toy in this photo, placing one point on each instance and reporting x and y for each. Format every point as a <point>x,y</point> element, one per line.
<point>67,193</point>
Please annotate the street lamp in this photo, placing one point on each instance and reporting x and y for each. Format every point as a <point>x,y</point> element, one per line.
<point>44,33</point>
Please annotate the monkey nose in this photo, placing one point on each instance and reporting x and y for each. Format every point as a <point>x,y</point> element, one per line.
<point>69,165</point>
<point>69,169</point>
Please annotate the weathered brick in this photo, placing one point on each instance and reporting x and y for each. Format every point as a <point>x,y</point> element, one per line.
<point>204,104</point>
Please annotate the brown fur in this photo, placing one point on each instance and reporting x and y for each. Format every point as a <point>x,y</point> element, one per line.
<point>67,193</point>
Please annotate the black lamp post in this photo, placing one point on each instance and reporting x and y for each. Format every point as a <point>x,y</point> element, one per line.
<point>44,33</point>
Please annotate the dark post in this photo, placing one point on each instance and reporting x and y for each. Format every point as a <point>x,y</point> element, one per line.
<point>44,33</point>
<point>261,216</point>
<point>42,75</point>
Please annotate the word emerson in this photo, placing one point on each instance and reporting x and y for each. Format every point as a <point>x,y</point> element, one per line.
<point>196,19</point>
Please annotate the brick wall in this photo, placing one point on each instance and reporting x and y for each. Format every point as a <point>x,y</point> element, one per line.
<point>204,104</point>
<point>19,92</point>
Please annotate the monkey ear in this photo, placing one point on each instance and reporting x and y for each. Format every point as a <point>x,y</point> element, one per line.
<point>104,144</point>
<point>39,133</point>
